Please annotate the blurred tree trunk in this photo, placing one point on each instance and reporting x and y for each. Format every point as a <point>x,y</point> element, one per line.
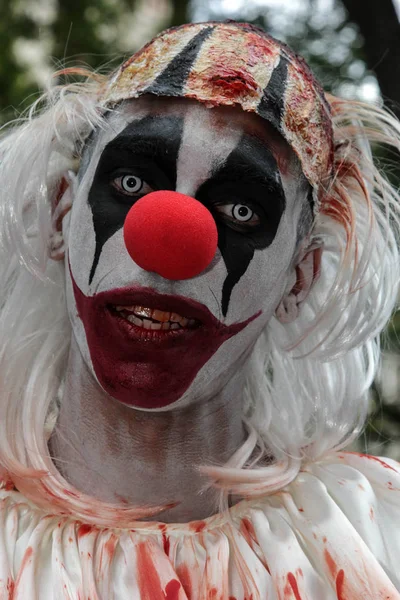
<point>380,27</point>
<point>180,12</point>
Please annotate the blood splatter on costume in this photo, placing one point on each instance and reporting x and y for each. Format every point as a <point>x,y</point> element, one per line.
<point>330,534</point>
<point>215,213</point>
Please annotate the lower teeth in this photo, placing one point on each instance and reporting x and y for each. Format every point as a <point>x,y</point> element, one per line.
<point>135,320</point>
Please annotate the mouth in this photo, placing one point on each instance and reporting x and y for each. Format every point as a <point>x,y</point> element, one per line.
<point>146,348</point>
<point>145,314</point>
<point>154,319</point>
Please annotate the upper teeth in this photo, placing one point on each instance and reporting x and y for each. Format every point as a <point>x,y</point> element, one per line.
<point>146,317</point>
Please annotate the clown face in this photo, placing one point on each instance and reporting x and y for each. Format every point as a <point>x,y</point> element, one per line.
<point>154,342</point>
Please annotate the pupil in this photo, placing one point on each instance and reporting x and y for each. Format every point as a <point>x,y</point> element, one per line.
<point>243,211</point>
<point>131,182</point>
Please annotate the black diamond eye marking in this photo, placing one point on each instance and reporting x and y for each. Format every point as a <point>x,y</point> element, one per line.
<point>148,149</point>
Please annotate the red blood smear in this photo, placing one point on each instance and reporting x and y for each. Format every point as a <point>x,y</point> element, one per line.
<point>339,585</point>
<point>84,530</point>
<point>248,532</point>
<point>197,526</point>
<point>247,529</point>
<point>50,494</point>
<point>376,459</point>
<point>10,589</point>
<point>234,82</point>
<point>109,549</point>
<point>184,575</point>
<point>27,557</point>
<point>25,561</point>
<point>165,538</point>
<point>257,50</point>
<point>9,486</point>
<point>330,563</point>
<point>109,546</point>
<point>148,579</point>
<point>172,590</point>
<point>293,584</point>
<point>69,493</point>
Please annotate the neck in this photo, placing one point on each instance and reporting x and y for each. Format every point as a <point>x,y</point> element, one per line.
<point>119,454</point>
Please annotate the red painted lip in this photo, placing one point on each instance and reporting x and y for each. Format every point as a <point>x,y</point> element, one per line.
<point>186,307</point>
<point>148,368</point>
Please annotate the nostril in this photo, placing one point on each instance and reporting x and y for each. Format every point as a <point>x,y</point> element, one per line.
<point>171,234</point>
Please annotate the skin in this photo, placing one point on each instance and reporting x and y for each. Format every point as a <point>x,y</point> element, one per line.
<point>121,452</point>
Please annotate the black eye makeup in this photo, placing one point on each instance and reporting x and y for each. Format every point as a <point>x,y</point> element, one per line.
<point>247,200</point>
<point>141,159</point>
<point>245,194</point>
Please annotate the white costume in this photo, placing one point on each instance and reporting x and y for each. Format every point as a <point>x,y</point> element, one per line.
<point>332,534</point>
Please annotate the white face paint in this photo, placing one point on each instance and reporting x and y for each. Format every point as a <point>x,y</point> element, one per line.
<point>223,158</point>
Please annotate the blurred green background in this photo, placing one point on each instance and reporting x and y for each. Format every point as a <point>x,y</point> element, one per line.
<point>352,45</point>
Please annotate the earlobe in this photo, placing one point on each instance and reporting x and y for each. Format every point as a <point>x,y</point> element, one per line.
<point>305,274</point>
<point>60,206</point>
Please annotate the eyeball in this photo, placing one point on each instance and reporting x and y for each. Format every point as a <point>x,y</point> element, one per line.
<point>131,184</point>
<point>242,213</point>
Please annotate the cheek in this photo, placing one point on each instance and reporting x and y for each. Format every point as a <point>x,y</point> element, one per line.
<point>223,366</point>
<point>116,269</point>
<point>261,288</point>
<point>263,284</point>
<point>76,323</point>
<point>81,243</point>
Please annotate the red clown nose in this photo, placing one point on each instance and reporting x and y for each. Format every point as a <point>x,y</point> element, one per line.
<point>170,234</point>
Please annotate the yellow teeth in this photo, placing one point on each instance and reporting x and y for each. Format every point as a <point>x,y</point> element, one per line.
<point>152,318</point>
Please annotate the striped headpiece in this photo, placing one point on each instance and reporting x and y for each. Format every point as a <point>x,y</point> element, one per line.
<point>229,63</point>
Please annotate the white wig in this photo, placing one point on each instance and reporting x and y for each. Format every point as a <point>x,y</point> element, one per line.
<point>307,391</point>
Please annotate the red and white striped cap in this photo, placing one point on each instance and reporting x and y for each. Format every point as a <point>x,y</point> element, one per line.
<point>228,64</point>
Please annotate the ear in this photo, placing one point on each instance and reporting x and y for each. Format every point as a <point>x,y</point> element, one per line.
<point>60,206</point>
<point>303,277</point>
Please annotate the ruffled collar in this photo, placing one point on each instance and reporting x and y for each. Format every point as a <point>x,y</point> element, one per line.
<point>331,534</point>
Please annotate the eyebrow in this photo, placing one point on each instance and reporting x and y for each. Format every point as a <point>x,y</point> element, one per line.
<point>150,134</point>
<point>153,137</point>
<point>137,143</point>
<point>254,160</point>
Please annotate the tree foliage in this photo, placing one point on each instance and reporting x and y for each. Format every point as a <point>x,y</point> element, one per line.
<point>43,36</point>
